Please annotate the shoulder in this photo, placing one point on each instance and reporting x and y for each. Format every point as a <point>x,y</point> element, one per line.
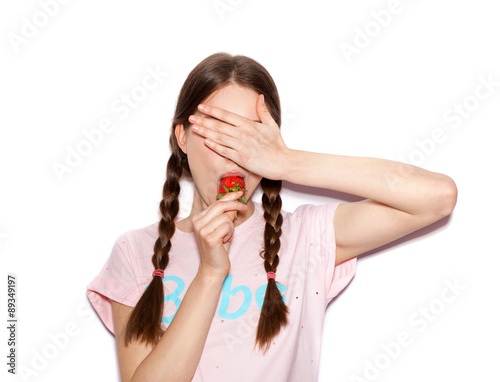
<point>141,233</point>
<point>304,214</point>
<point>307,213</point>
<point>135,240</point>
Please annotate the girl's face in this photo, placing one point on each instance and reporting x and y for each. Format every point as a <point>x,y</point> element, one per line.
<point>207,166</point>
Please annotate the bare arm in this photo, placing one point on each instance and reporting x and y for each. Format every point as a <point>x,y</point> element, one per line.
<point>177,354</point>
<point>400,198</point>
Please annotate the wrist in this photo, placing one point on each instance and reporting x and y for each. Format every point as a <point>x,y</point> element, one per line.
<point>210,276</point>
<point>289,164</point>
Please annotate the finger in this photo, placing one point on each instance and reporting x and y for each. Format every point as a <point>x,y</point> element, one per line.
<point>216,228</point>
<point>209,224</point>
<point>202,123</point>
<point>217,136</point>
<point>226,152</point>
<point>232,195</point>
<point>226,197</point>
<point>223,232</point>
<point>222,114</point>
<point>219,208</point>
<point>263,112</point>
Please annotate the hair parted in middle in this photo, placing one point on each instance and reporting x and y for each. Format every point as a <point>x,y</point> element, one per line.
<point>211,74</point>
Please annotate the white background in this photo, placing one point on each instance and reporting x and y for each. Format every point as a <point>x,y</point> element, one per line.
<point>62,77</point>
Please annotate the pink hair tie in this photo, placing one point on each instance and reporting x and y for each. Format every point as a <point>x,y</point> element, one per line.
<point>271,275</point>
<point>158,272</point>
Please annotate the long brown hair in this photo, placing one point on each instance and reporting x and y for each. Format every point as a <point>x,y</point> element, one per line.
<point>211,74</point>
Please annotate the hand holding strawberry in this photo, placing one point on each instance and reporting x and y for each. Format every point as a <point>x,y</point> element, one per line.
<point>232,184</point>
<point>214,231</point>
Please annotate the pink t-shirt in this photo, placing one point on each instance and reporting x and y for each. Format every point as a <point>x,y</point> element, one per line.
<point>306,275</point>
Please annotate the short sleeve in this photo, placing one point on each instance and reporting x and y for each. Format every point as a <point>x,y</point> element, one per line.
<point>321,231</point>
<point>116,281</point>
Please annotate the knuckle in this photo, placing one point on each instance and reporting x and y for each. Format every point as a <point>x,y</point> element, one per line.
<point>196,225</point>
<point>223,150</point>
<point>218,136</point>
<point>211,242</point>
<point>217,126</point>
<point>202,232</point>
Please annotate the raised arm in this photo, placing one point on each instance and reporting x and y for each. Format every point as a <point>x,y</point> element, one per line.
<point>400,198</point>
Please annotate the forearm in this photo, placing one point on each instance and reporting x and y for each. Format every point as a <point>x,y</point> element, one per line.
<point>177,354</point>
<point>399,185</point>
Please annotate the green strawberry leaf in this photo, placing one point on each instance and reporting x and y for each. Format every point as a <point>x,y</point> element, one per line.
<point>236,187</point>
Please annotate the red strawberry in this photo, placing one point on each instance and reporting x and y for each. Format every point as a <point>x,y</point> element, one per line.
<point>232,184</point>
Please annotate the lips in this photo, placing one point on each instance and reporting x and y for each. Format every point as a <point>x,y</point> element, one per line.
<point>228,174</point>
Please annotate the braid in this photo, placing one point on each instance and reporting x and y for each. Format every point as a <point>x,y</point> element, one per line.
<point>145,321</point>
<point>274,313</point>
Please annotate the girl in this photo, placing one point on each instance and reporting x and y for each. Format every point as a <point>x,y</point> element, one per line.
<point>238,289</point>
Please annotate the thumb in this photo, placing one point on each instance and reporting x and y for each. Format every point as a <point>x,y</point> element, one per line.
<point>263,112</point>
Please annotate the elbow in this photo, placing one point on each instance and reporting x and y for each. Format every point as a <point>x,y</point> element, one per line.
<point>446,198</point>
